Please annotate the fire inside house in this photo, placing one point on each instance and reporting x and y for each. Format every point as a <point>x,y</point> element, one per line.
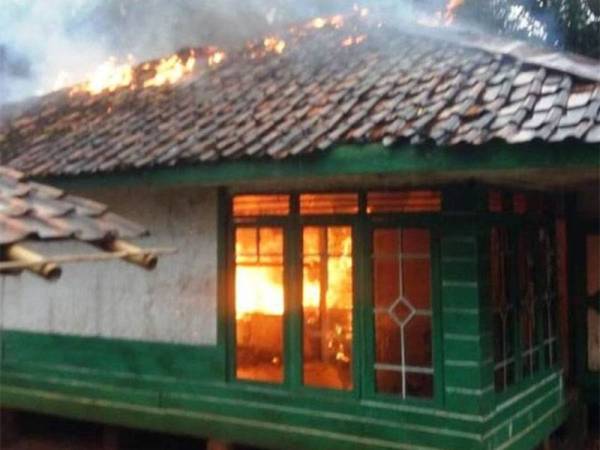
<point>387,238</point>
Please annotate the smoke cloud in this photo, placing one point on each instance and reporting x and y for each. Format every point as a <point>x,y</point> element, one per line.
<point>42,41</point>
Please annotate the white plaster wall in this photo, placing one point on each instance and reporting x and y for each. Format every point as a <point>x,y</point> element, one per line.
<point>177,302</point>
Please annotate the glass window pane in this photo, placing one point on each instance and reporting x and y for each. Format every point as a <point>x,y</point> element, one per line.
<point>389,381</point>
<point>503,309</point>
<point>259,304</point>
<point>386,281</point>
<point>260,205</point>
<point>419,384</point>
<point>418,333</point>
<point>416,284</point>
<point>246,248</point>
<point>386,241</point>
<point>527,298</point>
<point>389,348</point>
<point>329,203</point>
<point>415,241</point>
<point>271,245</point>
<point>402,299</point>
<point>327,306</point>
<point>410,201</point>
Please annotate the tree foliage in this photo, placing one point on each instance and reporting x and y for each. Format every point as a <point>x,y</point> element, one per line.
<point>572,25</point>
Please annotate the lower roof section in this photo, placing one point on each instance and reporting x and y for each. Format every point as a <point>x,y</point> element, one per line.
<point>536,166</point>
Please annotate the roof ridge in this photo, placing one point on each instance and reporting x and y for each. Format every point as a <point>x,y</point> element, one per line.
<point>522,51</point>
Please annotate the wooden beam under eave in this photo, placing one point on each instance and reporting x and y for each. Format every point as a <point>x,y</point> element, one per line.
<point>37,263</point>
<point>134,254</point>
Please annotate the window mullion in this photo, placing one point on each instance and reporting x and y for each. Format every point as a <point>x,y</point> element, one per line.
<point>364,339</point>
<point>293,296</point>
<point>516,302</point>
<point>539,274</point>
<point>437,325</point>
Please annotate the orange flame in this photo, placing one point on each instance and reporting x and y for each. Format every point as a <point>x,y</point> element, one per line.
<point>216,58</point>
<point>109,76</point>
<point>362,12</point>
<point>353,40</point>
<point>274,44</point>
<point>170,70</point>
<point>336,21</point>
<point>318,22</point>
<point>445,17</point>
<point>63,80</point>
<point>259,288</point>
<point>451,8</point>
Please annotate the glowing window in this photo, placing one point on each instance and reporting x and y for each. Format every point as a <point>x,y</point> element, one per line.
<point>403,312</point>
<point>327,306</point>
<point>259,303</point>
<point>329,203</point>
<point>261,205</point>
<point>403,202</point>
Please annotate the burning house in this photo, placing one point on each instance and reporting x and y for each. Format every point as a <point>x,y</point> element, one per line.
<point>386,239</point>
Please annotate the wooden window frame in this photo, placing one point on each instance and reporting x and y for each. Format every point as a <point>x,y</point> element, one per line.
<point>514,222</point>
<point>363,225</point>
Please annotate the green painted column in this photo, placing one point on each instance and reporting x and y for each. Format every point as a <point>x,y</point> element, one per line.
<point>466,322</point>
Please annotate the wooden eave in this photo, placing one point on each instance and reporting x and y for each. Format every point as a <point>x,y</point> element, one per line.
<point>532,165</point>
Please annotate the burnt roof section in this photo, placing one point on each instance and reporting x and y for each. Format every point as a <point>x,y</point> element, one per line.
<point>31,210</point>
<point>356,84</point>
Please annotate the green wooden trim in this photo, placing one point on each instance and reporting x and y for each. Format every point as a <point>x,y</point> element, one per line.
<point>294,320</point>
<point>223,274</point>
<point>30,375</point>
<point>437,319</point>
<point>530,401</point>
<point>346,160</point>
<point>222,425</point>
<point>516,301</point>
<point>466,317</point>
<point>229,299</point>
<point>362,313</point>
<point>127,357</point>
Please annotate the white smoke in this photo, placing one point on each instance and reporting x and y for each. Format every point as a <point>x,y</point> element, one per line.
<point>43,42</point>
<point>41,36</point>
<point>48,43</point>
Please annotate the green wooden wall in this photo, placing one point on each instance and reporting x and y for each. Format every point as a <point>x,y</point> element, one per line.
<point>182,389</point>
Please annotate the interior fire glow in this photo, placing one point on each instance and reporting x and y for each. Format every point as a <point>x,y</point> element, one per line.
<point>326,303</point>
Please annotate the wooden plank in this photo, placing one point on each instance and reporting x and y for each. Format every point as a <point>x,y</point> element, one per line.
<point>425,163</point>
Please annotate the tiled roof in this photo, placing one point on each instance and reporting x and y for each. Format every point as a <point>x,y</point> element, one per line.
<point>30,210</point>
<point>391,87</point>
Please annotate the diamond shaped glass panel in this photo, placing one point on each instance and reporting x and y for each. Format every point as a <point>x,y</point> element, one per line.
<point>401,311</point>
